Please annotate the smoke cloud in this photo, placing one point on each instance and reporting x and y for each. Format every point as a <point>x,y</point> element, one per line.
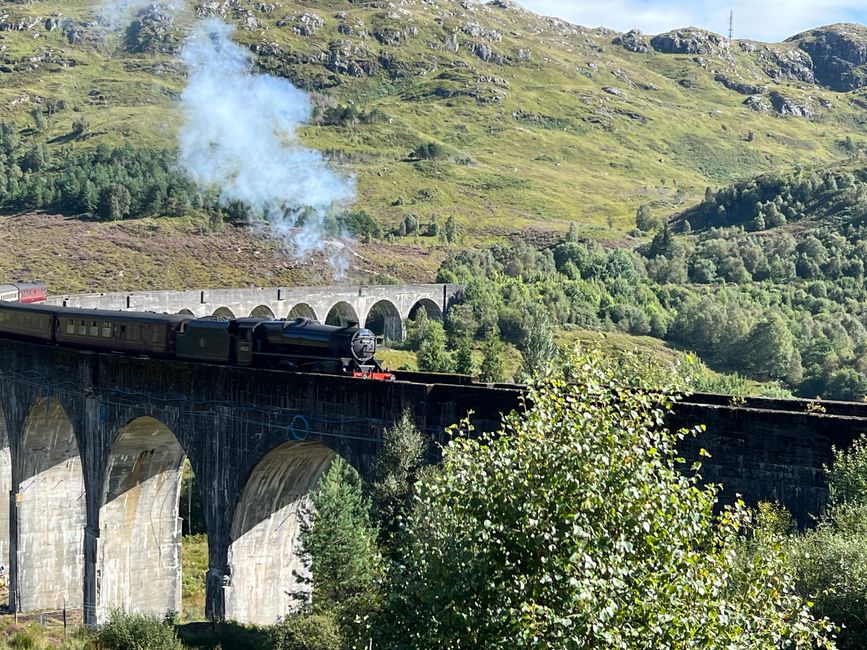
<point>239,135</point>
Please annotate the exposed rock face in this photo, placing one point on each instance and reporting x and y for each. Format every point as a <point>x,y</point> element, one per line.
<point>152,31</point>
<point>690,40</point>
<point>633,40</point>
<point>792,64</point>
<point>304,25</point>
<point>758,104</point>
<point>837,53</point>
<point>739,87</point>
<point>786,106</point>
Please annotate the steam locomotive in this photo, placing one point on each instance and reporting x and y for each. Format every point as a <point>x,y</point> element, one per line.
<point>300,345</point>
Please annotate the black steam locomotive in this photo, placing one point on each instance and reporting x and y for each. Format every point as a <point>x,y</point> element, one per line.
<point>300,345</point>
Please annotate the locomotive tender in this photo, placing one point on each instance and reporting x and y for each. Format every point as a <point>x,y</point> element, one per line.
<point>300,345</point>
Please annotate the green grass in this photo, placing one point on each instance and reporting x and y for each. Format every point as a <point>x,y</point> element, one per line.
<point>194,566</point>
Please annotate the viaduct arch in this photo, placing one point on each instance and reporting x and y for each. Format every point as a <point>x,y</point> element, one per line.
<point>383,308</point>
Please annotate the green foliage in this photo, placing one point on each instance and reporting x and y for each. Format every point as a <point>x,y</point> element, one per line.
<point>451,230</point>
<point>429,151</point>
<point>572,528</point>
<point>394,473</point>
<point>306,632</point>
<point>432,355</point>
<point>464,362</point>
<point>340,543</point>
<point>125,631</point>
<point>538,350</point>
<point>847,476</point>
<point>829,561</point>
<point>492,369</point>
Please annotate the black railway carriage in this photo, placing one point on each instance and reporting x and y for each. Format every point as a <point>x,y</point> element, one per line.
<point>119,331</point>
<point>32,322</point>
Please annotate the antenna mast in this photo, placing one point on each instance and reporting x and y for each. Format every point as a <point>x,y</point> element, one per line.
<point>731,25</point>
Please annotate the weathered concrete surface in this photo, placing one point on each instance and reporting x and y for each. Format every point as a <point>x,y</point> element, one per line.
<point>385,307</point>
<point>139,550</point>
<point>5,490</point>
<point>265,555</point>
<point>50,511</point>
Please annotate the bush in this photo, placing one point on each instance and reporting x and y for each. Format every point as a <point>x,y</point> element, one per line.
<point>306,632</point>
<point>573,528</point>
<point>125,631</point>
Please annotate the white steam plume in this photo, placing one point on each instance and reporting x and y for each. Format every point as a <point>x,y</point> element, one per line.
<point>120,13</point>
<point>239,134</point>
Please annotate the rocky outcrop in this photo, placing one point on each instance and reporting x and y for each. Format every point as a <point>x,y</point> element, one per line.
<point>787,106</point>
<point>633,41</point>
<point>306,24</point>
<point>789,64</point>
<point>348,59</point>
<point>690,40</point>
<point>740,87</point>
<point>758,104</point>
<point>839,55</point>
<point>152,31</point>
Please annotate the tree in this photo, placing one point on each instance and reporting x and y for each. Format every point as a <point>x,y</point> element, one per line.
<point>464,363</point>
<point>493,351</point>
<point>340,543</point>
<point>539,349</point>
<point>395,471</point>
<point>644,219</point>
<point>80,126</point>
<point>38,120</point>
<point>572,235</point>
<point>451,230</point>
<point>769,347</point>
<point>432,355</point>
<point>410,224</point>
<point>572,527</point>
<point>114,203</point>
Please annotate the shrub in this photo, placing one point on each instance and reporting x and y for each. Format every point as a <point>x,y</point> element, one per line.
<point>125,631</point>
<point>306,632</point>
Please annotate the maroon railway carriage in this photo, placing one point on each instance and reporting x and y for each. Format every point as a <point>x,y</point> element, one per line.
<point>26,292</point>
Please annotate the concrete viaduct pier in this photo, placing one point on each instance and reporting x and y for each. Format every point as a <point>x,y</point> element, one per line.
<point>384,309</point>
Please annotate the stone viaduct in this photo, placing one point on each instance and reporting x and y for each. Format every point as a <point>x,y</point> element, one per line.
<point>384,309</point>
<point>92,447</point>
<point>91,453</point>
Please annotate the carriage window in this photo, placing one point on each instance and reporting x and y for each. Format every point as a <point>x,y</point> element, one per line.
<point>82,328</point>
<point>123,331</point>
<point>106,330</point>
<point>155,334</point>
<point>70,326</point>
<point>94,330</point>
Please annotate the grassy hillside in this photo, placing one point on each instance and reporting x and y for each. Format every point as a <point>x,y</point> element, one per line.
<point>539,122</point>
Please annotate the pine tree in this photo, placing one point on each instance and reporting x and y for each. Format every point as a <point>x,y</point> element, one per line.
<point>340,542</point>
